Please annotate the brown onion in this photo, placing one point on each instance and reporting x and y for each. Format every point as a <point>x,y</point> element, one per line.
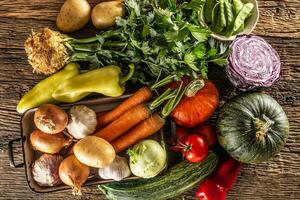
<point>45,170</point>
<point>73,173</point>
<point>50,119</point>
<point>48,143</point>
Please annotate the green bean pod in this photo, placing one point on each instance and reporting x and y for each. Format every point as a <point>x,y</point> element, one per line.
<point>208,8</point>
<point>216,22</point>
<point>222,13</point>
<point>229,16</point>
<point>237,6</point>
<point>242,16</point>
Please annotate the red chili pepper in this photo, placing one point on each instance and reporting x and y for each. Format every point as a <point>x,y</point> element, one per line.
<point>216,186</point>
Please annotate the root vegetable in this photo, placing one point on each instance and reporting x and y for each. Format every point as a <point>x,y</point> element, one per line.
<point>50,119</point>
<point>74,14</point>
<point>125,122</point>
<point>143,130</point>
<point>73,173</point>
<point>142,95</point>
<point>104,14</point>
<point>94,152</point>
<point>48,143</point>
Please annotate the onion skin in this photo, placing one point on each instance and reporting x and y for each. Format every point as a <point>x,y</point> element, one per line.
<point>48,143</point>
<point>45,170</point>
<point>50,119</point>
<point>252,63</point>
<point>73,173</point>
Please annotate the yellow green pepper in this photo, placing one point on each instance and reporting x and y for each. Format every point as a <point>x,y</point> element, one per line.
<point>105,80</point>
<point>42,92</point>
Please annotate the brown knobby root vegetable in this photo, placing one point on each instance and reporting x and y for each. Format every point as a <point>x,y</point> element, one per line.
<point>48,143</point>
<point>45,170</point>
<point>94,152</point>
<point>104,14</point>
<point>46,51</point>
<point>73,15</point>
<point>50,119</point>
<point>73,173</point>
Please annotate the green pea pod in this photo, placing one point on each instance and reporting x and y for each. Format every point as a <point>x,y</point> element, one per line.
<point>222,13</point>
<point>216,23</point>
<point>229,16</point>
<point>241,29</point>
<point>242,16</point>
<point>237,6</point>
<point>41,93</point>
<point>208,8</point>
<point>105,80</point>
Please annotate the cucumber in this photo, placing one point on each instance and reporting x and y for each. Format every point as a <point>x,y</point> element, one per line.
<point>177,180</point>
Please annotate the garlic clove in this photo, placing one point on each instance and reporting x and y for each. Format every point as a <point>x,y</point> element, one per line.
<point>83,121</point>
<point>45,170</point>
<point>117,171</point>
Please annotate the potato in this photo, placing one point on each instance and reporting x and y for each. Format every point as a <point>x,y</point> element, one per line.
<point>73,15</point>
<point>104,14</point>
<point>94,152</point>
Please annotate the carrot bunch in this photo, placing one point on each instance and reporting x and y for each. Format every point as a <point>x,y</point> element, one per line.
<point>129,122</point>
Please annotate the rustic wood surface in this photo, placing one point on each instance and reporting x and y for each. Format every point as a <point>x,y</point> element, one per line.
<point>279,23</point>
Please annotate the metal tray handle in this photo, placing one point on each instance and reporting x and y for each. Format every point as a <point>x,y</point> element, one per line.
<point>11,153</point>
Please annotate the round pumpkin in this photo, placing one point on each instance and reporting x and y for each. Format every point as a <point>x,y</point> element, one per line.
<point>192,111</point>
<point>252,128</point>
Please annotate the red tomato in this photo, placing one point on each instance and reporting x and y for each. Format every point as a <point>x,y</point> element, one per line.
<point>195,148</point>
<point>208,132</point>
<point>192,111</point>
<point>181,133</point>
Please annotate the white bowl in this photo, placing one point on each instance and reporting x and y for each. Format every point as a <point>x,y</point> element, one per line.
<point>250,23</point>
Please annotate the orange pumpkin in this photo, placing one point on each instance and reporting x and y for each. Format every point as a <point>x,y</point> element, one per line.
<point>192,111</point>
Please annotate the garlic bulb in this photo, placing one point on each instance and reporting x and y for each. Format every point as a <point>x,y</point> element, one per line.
<point>118,170</point>
<point>45,170</point>
<point>83,121</point>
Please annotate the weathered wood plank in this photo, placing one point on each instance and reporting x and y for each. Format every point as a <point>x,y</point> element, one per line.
<point>279,18</point>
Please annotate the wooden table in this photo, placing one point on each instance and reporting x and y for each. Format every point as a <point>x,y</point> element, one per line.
<point>279,24</point>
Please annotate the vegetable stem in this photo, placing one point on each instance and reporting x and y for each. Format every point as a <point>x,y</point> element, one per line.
<point>172,103</point>
<point>129,75</point>
<point>163,82</point>
<point>168,94</point>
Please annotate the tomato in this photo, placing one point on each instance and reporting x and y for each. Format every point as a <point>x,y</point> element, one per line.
<point>195,148</point>
<point>181,134</point>
<point>192,111</point>
<point>208,132</point>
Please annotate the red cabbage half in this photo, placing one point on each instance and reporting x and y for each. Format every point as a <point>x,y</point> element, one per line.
<point>252,63</point>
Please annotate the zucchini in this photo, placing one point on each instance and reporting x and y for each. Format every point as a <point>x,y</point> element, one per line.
<point>177,180</point>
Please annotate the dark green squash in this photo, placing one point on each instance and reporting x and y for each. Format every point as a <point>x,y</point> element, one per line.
<point>252,127</point>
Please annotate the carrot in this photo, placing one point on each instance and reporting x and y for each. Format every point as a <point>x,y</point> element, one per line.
<point>125,122</point>
<point>140,96</point>
<point>142,130</point>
